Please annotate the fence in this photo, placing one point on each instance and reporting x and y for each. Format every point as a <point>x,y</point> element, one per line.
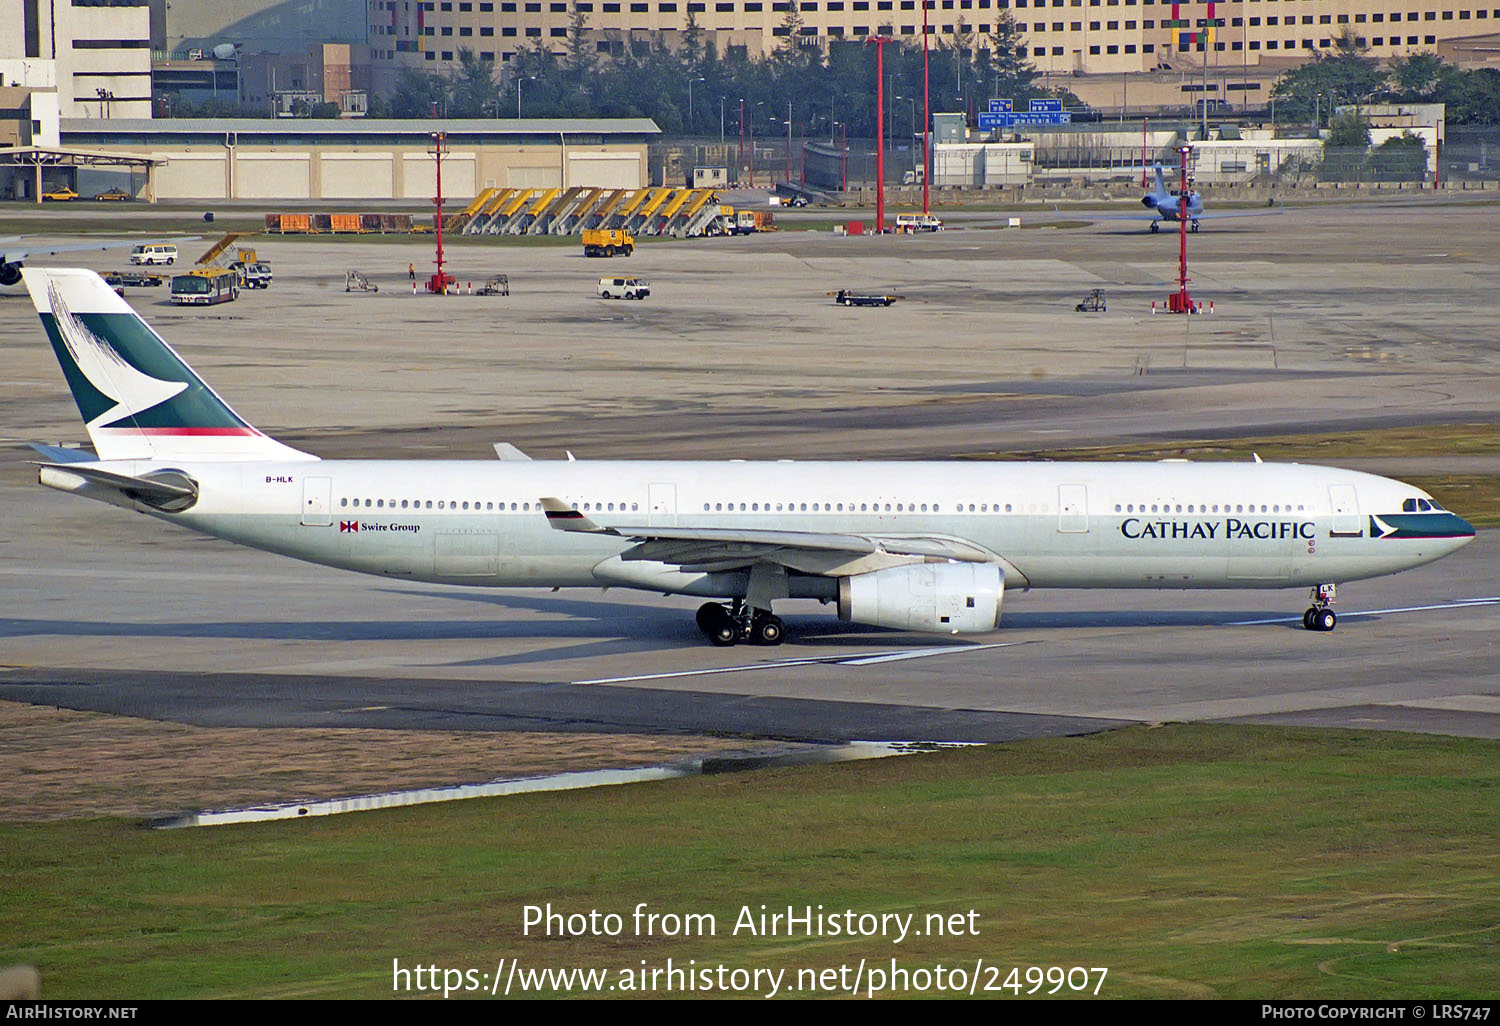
<point>819,164</point>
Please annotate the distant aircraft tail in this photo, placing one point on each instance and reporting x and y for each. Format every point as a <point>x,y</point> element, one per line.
<point>139,400</point>
<point>1161,183</point>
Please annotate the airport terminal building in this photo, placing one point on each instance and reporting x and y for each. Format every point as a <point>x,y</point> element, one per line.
<point>1059,37</point>
<point>238,158</point>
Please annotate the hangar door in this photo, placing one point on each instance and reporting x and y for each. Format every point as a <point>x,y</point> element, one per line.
<point>605,170</point>
<point>189,176</point>
<point>357,176</point>
<point>419,176</point>
<point>532,177</point>
<point>273,176</point>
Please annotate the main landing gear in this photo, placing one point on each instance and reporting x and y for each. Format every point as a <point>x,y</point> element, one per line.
<point>737,622</point>
<point>1318,616</point>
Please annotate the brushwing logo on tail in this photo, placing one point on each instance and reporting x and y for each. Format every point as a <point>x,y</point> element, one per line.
<point>105,369</point>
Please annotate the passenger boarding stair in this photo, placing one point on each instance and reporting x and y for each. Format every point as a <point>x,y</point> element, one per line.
<point>457,222</point>
<point>514,209</point>
<point>550,212</point>
<point>567,221</point>
<point>215,257</point>
<point>481,221</point>
<point>518,224</point>
<point>701,213</point>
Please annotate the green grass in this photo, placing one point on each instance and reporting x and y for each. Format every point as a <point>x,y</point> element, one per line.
<point>1475,496</point>
<point>1189,860</point>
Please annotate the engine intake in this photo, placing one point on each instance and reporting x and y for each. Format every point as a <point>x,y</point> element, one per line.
<point>951,598</point>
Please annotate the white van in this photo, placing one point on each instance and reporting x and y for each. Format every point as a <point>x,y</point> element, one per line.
<point>154,253</point>
<point>918,223</point>
<point>624,288</point>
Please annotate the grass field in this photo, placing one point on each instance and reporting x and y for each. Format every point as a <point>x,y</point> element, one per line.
<point>1475,496</point>
<point>1191,861</point>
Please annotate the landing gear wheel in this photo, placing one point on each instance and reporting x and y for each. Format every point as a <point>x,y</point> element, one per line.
<point>1195,227</point>
<point>1155,227</point>
<point>1307,619</point>
<point>1325,620</point>
<point>710,613</point>
<point>768,630</point>
<point>715,622</point>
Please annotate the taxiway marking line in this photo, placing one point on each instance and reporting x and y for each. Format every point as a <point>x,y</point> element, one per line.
<point>857,660</point>
<point>1459,604</point>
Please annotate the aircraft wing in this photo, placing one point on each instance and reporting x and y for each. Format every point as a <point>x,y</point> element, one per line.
<point>1241,213</point>
<point>1149,215</point>
<point>706,549</point>
<point>13,249</point>
<point>14,252</point>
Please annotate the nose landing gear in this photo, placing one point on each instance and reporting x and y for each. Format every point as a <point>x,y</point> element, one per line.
<point>737,622</point>
<point>1318,616</point>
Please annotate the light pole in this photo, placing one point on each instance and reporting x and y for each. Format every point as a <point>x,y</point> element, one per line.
<point>721,121</point>
<point>789,144</point>
<point>690,101</point>
<point>519,80</point>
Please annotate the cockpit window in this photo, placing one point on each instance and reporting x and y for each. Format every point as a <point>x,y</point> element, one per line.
<point>1409,506</point>
<point>1438,507</point>
<point>1424,505</point>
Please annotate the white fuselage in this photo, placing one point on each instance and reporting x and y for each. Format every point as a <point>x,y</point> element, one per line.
<point>1048,525</point>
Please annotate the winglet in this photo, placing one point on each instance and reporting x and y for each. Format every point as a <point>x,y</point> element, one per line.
<point>563,517</point>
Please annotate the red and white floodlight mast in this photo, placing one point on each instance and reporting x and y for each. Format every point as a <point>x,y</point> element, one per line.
<point>879,42</point>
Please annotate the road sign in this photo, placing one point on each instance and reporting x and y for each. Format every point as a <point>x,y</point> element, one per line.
<point>1002,106</point>
<point>1005,121</point>
<point>1044,106</point>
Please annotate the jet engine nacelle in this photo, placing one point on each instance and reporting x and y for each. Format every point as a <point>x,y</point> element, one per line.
<point>1149,200</point>
<point>9,273</point>
<point>947,597</point>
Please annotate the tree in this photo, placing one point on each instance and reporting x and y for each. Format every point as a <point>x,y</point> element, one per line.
<point>1417,76</point>
<point>1401,159</point>
<point>1349,130</point>
<point>1325,80</point>
<point>1345,148</point>
<point>582,59</point>
<point>691,50</point>
<point>472,90</point>
<point>415,93</point>
<point>1015,75</point>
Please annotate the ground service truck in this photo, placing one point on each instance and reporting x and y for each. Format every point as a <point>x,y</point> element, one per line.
<point>602,242</point>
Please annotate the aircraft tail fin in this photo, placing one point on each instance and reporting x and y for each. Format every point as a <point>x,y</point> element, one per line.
<point>138,398</point>
<point>1161,182</point>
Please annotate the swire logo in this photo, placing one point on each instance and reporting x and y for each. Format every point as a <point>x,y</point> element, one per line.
<point>348,525</point>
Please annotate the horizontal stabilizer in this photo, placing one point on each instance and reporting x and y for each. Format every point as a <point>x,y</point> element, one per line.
<point>506,451</point>
<point>168,490</point>
<point>57,454</point>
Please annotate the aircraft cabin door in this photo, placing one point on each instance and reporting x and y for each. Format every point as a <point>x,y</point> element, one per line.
<point>317,501</point>
<point>663,505</point>
<point>1345,505</point>
<point>1072,509</point>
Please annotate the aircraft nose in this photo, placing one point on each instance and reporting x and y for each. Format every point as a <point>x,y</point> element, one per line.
<point>1463,530</point>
